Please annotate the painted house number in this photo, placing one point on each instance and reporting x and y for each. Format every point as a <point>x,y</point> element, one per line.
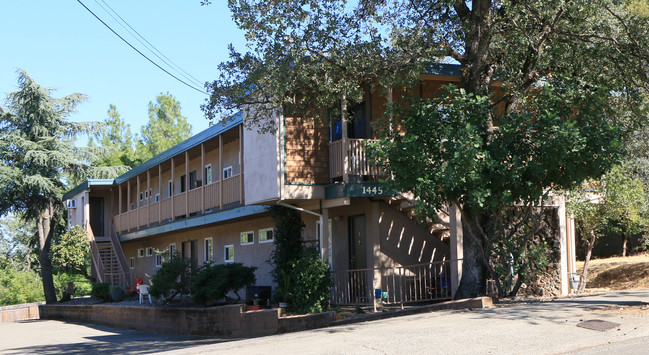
<point>372,190</point>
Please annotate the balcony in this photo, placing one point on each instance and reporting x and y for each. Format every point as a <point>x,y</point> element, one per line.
<point>349,157</point>
<point>218,195</point>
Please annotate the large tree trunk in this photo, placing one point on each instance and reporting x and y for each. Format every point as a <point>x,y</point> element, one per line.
<point>474,268</point>
<point>45,232</point>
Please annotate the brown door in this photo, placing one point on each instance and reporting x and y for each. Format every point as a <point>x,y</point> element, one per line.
<point>97,216</point>
<point>357,242</point>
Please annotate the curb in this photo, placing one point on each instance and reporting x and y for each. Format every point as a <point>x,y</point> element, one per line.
<point>477,302</point>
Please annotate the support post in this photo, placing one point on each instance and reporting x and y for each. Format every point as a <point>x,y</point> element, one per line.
<point>457,247</point>
<point>173,168</point>
<point>203,177</point>
<point>221,171</point>
<point>344,140</point>
<point>241,164</point>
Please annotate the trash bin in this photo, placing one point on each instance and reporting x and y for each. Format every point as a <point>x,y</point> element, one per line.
<point>574,280</point>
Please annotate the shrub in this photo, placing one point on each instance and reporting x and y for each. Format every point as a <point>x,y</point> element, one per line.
<point>172,278</point>
<point>311,283</point>
<point>100,291</point>
<point>214,282</point>
<point>20,286</point>
<point>82,287</point>
<point>287,240</point>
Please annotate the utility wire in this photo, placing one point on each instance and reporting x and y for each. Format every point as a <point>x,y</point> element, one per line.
<point>142,54</point>
<point>150,46</point>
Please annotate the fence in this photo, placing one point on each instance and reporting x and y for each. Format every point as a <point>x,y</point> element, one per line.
<point>398,284</point>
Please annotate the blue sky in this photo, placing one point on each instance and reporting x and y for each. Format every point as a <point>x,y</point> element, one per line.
<point>62,46</point>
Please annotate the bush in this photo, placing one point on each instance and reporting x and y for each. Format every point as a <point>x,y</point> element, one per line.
<point>311,283</point>
<point>214,282</point>
<point>100,291</point>
<point>172,278</point>
<point>82,287</point>
<point>20,286</point>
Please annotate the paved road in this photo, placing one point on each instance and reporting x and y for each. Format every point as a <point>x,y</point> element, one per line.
<point>533,328</point>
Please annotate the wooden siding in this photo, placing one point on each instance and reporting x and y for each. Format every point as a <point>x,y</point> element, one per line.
<point>307,152</point>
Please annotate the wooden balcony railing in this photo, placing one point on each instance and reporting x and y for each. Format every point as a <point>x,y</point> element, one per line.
<point>357,160</point>
<point>185,204</point>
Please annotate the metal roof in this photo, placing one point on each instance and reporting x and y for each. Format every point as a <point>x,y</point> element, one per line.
<point>443,69</point>
<point>86,185</point>
<point>179,148</point>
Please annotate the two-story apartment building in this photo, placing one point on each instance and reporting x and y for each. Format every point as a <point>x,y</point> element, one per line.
<point>206,198</point>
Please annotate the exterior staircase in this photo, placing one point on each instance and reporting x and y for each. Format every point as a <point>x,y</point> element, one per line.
<point>108,260</point>
<point>438,225</point>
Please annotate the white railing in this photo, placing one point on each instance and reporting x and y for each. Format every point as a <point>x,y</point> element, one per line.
<point>357,159</point>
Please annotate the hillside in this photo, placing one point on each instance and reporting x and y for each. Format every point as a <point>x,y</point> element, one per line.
<point>618,273</point>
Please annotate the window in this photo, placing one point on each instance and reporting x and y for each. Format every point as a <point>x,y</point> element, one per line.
<point>131,263</point>
<point>317,232</point>
<point>266,235</point>
<point>209,250</point>
<point>192,180</point>
<point>141,196</point>
<point>228,255</point>
<point>146,195</point>
<point>227,172</point>
<point>158,260</point>
<point>149,251</point>
<point>172,250</point>
<point>157,198</point>
<point>208,174</point>
<point>140,253</point>
<point>183,180</point>
<point>247,238</point>
<point>171,188</point>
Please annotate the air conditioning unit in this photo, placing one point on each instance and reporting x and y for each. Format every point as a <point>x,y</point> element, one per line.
<point>70,203</point>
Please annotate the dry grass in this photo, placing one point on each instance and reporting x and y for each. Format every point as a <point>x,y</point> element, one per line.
<point>618,273</point>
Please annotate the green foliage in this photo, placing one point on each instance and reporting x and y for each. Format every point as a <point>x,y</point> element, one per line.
<point>571,74</point>
<point>443,158</point>
<point>101,291</point>
<point>172,278</point>
<point>214,282</point>
<point>72,250</point>
<point>37,156</point>
<point>313,283</point>
<point>117,141</point>
<point>166,128</point>
<point>82,287</point>
<point>287,239</point>
<point>19,286</point>
<point>18,244</point>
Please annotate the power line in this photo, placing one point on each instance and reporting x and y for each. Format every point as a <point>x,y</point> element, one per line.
<point>140,53</point>
<point>150,46</point>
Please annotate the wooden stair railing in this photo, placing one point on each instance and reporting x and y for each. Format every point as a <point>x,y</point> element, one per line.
<point>108,259</point>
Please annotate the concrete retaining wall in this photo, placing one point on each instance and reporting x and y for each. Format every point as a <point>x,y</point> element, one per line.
<point>228,321</point>
<point>19,312</point>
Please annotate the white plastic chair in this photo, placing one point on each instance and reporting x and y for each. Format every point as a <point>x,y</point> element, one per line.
<point>144,291</point>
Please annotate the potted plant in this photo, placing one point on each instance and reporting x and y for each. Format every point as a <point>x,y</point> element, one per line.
<point>285,291</point>
<point>116,293</point>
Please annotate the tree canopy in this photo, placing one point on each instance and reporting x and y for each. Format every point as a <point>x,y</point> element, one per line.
<point>572,78</point>
<point>166,128</point>
<point>119,141</point>
<point>37,155</point>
